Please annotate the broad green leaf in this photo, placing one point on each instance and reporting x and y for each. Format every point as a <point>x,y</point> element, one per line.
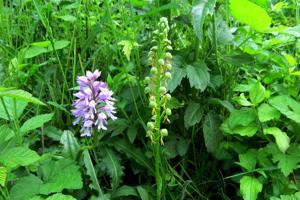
<point>110,163</point>
<point>242,100</point>
<point>249,130</point>
<point>257,93</point>
<point>242,117</point>
<point>248,160</point>
<point>5,133</point>
<point>35,122</point>
<point>60,196</point>
<point>198,75</point>
<point>71,146</point>
<point>59,44</point>
<point>59,175</point>
<point>68,18</point>
<point>287,106</point>
<point>295,31</point>
<point>90,170</point>
<point>281,138</point>
<point>211,132</point>
<point>250,14</point>
<point>287,163</point>
<point>21,95</point>
<point>3,175</point>
<point>10,103</point>
<point>262,3</point>
<point>18,156</point>
<point>182,146</point>
<point>193,114</point>
<point>34,51</point>
<point>200,10</point>
<point>26,188</point>
<point>250,187</point>
<point>125,191</point>
<point>177,75</point>
<point>143,193</point>
<point>131,133</point>
<point>267,113</point>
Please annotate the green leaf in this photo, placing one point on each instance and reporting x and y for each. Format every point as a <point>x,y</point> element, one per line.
<point>3,174</point>
<point>18,156</point>
<point>281,138</point>
<point>68,18</point>
<point>193,114</point>
<point>198,75</point>
<point>59,175</point>
<point>257,93</point>
<point>241,100</point>
<point>34,51</point>
<point>21,95</point>
<point>60,196</point>
<point>267,113</point>
<point>287,163</point>
<point>71,146</point>
<point>127,47</point>
<point>125,191</point>
<point>211,132</point>
<point>26,188</point>
<point>131,133</point>
<point>90,170</point>
<point>177,75</point>
<point>250,14</point>
<point>9,104</point>
<point>248,159</point>
<point>182,146</point>
<point>287,106</point>
<point>199,11</point>
<point>35,122</point>
<point>250,187</point>
<point>295,31</point>
<point>110,163</point>
<point>242,117</point>
<point>5,133</point>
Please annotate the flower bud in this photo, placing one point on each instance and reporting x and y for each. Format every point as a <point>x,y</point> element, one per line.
<point>161,62</point>
<point>147,90</point>
<point>153,48</point>
<point>168,96</point>
<point>169,48</point>
<point>153,70</point>
<point>168,75</point>
<point>147,79</point>
<point>164,132</point>
<point>163,90</point>
<point>150,125</point>
<point>152,98</point>
<point>152,104</point>
<point>156,32</point>
<point>168,55</point>
<point>168,111</point>
<point>169,66</point>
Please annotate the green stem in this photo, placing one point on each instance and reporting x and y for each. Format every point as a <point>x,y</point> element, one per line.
<point>158,178</point>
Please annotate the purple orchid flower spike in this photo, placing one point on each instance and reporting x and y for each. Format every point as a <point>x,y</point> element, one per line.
<point>94,104</point>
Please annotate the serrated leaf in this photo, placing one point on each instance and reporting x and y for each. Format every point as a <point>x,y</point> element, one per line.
<point>127,47</point>
<point>198,75</point>
<point>242,117</point>
<point>3,175</point>
<point>281,138</point>
<point>71,146</point>
<point>62,174</point>
<point>110,163</point>
<point>60,196</point>
<point>25,188</point>
<point>290,108</point>
<point>200,10</point>
<point>211,132</point>
<point>257,93</point>
<point>35,122</point>
<point>250,187</point>
<point>267,113</point>
<point>193,114</point>
<point>287,163</point>
<point>248,160</point>
<point>21,95</point>
<point>177,75</point>
<point>18,156</point>
<point>250,14</point>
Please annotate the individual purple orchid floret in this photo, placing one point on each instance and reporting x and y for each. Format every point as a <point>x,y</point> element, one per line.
<point>94,104</point>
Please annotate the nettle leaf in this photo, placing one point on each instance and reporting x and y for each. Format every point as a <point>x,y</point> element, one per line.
<point>290,108</point>
<point>287,163</point>
<point>257,93</point>
<point>9,104</point>
<point>248,159</point>
<point>211,132</point>
<point>281,138</point>
<point>3,175</point>
<point>110,163</point>
<point>21,95</point>
<point>60,196</point>
<point>59,175</point>
<point>25,188</point>
<point>71,146</point>
<point>267,113</point>
<point>199,11</point>
<point>250,14</point>
<point>177,75</point>
<point>18,156</point>
<point>193,114</point>
<point>198,75</point>
<point>250,187</point>
<point>35,122</point>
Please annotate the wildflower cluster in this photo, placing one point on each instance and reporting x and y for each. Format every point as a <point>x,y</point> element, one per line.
<point>94,104</point>
<point>160,62</point>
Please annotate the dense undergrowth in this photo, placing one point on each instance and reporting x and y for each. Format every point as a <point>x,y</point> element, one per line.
<point>205,101</point>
